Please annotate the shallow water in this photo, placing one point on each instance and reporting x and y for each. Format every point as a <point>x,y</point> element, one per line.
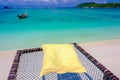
<point>57,26</point>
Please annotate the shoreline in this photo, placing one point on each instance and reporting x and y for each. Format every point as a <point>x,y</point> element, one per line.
<point>99,50</point>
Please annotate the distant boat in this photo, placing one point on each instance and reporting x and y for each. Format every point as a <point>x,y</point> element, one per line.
<point>6,7</point>
<point>22,16</point>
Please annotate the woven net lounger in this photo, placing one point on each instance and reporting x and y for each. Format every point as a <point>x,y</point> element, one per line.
<point>28,64</point>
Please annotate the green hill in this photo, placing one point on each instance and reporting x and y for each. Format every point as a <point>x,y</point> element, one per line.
<point>96,5</point>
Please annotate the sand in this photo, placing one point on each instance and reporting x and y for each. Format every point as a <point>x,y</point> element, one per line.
<point>6,59</point>
<point>106,52</point>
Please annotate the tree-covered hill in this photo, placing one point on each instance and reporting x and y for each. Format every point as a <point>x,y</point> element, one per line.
<point>96,5</point>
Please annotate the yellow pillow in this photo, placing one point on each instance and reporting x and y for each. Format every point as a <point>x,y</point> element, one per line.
<point>60,58</point>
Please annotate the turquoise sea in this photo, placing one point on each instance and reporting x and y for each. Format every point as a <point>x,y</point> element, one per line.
<point>45,26</point>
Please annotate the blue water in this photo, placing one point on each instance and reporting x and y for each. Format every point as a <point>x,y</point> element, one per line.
<point>57,26</point>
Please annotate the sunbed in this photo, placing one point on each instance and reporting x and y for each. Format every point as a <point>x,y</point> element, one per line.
<point>28,64</point>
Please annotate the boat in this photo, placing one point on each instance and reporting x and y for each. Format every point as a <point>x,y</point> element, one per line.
<point>22,16</point>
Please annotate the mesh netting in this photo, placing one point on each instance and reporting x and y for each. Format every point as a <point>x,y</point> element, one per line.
<point>30,66</point>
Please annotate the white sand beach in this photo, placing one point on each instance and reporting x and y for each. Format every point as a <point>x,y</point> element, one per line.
<point>6,59</point>
<point>106,52</point>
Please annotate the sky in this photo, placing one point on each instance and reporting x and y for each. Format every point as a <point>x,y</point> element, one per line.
<point>68,3</point>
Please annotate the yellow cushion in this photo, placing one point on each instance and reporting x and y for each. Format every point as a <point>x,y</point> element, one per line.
<point>60,58</point>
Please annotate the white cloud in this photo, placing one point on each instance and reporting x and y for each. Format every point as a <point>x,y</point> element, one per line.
<point>47,2</point>
<point>10,0</point>
<point>44,0</point>
<point>55,1</point>
<point>51,1</point>
<point>65,1</point>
